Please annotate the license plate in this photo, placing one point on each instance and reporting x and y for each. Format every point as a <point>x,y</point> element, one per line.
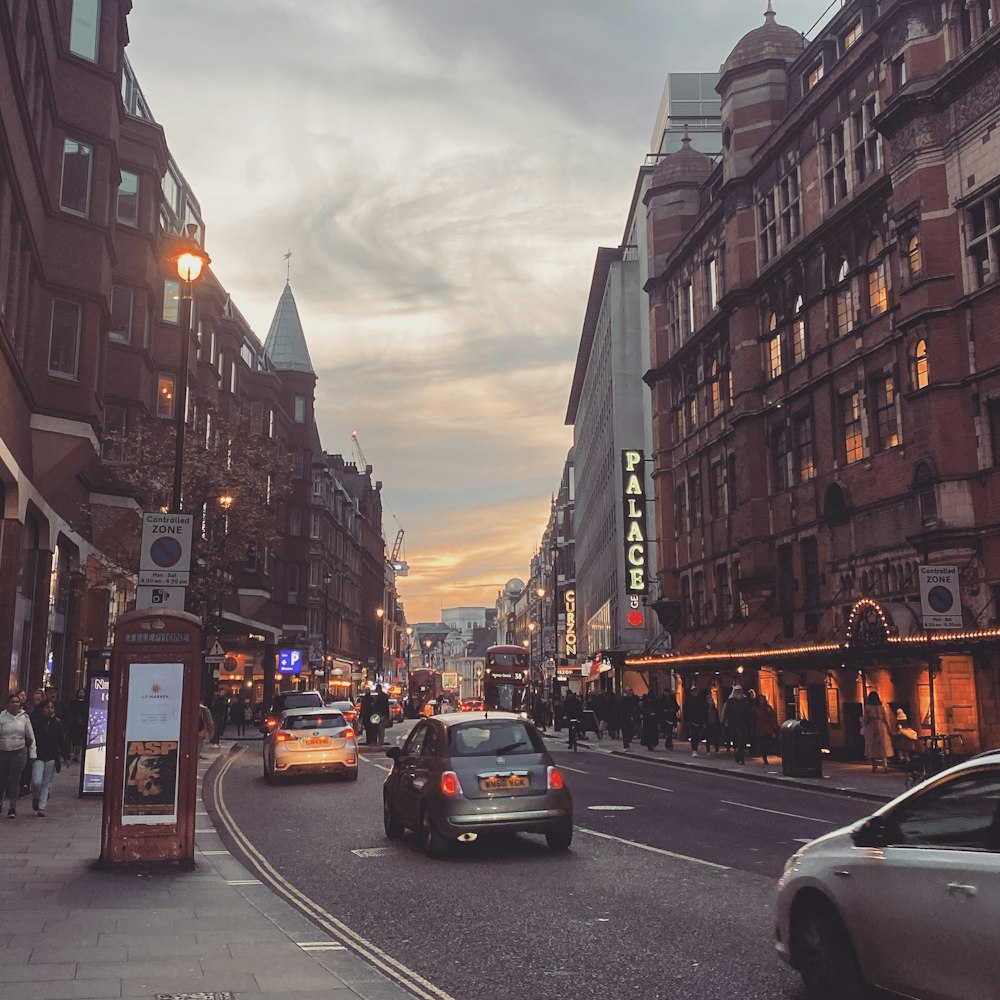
<point>317,741</point>
<point>497,782</point>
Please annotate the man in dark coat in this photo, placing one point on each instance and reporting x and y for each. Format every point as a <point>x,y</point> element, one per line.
<point>628,714</point>
<point>737,719</point>
<point>650,713</point>
<point>367,708</point>
<point>695,717</point>
<point>380,707</point>
<point>671,711</point>
<point>220,714</point>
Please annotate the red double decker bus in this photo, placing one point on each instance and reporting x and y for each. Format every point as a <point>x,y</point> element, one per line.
<point>506,678</point>
<point>424,686</point>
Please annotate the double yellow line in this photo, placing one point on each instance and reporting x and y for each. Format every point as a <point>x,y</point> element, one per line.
<point>338,930</point>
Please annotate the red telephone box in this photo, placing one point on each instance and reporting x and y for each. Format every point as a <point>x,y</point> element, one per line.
<point>150,786</point>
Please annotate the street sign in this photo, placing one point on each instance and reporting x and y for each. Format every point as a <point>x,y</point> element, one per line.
<point>289,661</point>
<point>940,597</point>
<point>165,556</point>
<point>160,597</point>
<point>216,654</point>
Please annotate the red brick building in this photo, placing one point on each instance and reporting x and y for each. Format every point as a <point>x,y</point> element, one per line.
<point>92,208</point>
<point>826,370</point>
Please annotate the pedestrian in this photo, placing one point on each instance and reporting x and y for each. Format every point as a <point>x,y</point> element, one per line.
<point>877,732</point>
<point>650,717</point>
<point>366,709</point>
<point>77,723</point>
<point>538,710</point>
<point>613,710</point>
<point>206,727</point>
<point>695,717</point>
<point>17,745</point>
<point>713,725</point>
<point>737,717</point>
<point>380,704</point>
<point>906,737</point>
<point>220,714</point>
<point>49,744</point>
<point>671,712</point>
<point>628,713</point>
<point>766,726</point>
<point>242,711</point>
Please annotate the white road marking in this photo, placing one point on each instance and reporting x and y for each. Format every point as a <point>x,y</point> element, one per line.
<point>575,770</point>
<point>803,840</point>
<point>213,853</point>
<point>641,784</point>
<point>244,881</point>
<point>611,808</point>
<point>654,850</point>
<point>778,812</point>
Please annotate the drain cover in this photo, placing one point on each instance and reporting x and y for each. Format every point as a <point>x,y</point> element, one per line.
<point>195,996</point>
<point>371,852</point>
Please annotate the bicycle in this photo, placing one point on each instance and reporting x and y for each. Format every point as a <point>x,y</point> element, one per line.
<point>936,755</point>
<point>573,730</point>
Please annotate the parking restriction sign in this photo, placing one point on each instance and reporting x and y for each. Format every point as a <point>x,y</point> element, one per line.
<point>165,559</point>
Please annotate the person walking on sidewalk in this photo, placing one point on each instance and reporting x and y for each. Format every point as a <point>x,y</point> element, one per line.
<point>220,714</point>
<point>713,726</point>
<point>695,717</point>
<point>628,711</point>
<point>17,745</point>
<point>876,731</point>
<point>49,744</point>
<point>380,705</point>
<point>650,722</point>
<point>766,727</point>
<point>671,711</point>
<point>737,717</point>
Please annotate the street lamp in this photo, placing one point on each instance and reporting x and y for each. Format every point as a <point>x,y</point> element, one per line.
<point>327,580</point>
<point>427,655</point>
<point>380,615</point>
<point>225,502</point>
<point>190,262</point>
<point>540,594</point>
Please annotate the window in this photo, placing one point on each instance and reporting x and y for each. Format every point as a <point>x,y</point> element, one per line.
<point>814,76</point>
<point>723,594</point>
<point>834,167</point>
<point>298,462</point>
<point>171,301</point>
<point>878,292</point>
<point>115,426</point>
<point>300,409</point>
<point>714,391</point>
<point>798,331</point>
<point>899,73</point>
<point>885,408</point>
<point>804,464</point>
<point>127,211</point>
<point>983,239</point>
<point>911,257</point>
<point>919,368</point>
<point>926,494</point>
<point>789,205</point>
<point>694,491</point>
<point>74,194</point>
<point>854,445</point>
<point>314,524</point>
<point>83,28</point>
<point>247,354</point>
<point>867,142</point>
<point>680,509</point>
<point>786,589</point>
<point>768,228</point>
<point>699,599</point>
<point>692,415</point>
<point>959,815</point>
<point>294,521</point>
<point>717,493</point>
<point>317,483</point>
<point>688,310</point>
<point>712,284</point>
<point>121,314</point>
<point>64,339</point>
<point>773,347</point>
<point>810,571</point>
<point>165,396</point>
<point>782,458</point>
<point>844,300</point>
<point>849,37</point>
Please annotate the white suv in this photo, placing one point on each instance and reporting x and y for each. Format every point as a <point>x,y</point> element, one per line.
<point>907,900</point>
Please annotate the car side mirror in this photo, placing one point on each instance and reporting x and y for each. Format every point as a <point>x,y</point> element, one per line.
<point>873,832</point>
<point>394,753</point>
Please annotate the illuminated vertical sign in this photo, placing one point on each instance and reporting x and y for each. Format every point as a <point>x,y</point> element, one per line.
<point>634,504</point>
<point>569,606</point>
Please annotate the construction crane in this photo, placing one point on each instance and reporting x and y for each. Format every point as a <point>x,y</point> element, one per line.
<point>401,566</point>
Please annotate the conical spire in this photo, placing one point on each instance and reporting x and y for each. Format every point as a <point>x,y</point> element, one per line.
<point>286,343</point>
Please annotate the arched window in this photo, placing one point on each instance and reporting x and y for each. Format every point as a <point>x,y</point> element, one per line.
<point>912,257</point>
<point>878,286</point>
<point>773,347</point>
<point>844,300</point>
<point>798,331</point>
<point>919,368</point>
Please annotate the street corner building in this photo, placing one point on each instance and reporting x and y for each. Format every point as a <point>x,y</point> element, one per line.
<point>824,299</point>
<point>95,329</point>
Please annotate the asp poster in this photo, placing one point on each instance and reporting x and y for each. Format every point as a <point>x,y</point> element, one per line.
<point>152,741</point>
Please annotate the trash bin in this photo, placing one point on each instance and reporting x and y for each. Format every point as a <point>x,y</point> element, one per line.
<point>801,756</point>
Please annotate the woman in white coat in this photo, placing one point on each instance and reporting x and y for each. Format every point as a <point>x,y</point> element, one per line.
<point>877,732</point>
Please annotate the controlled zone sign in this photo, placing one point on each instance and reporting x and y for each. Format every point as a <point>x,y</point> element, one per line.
<point>940,597</point>
<point>165,557</point>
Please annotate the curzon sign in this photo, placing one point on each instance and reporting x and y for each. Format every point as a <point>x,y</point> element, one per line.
<point>569,606</point>
<point>634,504</point>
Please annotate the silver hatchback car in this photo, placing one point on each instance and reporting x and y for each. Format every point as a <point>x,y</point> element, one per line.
<point>318,740</point>
<point>464,774</point>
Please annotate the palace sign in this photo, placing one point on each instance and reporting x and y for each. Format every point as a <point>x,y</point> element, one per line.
<point>634,503</point>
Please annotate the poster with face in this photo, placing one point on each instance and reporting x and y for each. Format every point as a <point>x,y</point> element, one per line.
<point>152,741</point>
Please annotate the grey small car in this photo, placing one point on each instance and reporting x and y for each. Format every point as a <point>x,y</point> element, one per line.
<point>468,773</point>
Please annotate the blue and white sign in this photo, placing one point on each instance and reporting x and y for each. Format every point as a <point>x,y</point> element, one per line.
<point>289,661</point>
<point>940,597</point>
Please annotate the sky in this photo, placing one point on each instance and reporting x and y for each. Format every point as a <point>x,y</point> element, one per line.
<point>443,172</point>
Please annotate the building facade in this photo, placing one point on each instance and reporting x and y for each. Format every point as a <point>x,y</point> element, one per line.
<point>824,381</point>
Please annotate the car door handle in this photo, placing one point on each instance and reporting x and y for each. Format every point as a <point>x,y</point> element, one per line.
<point>967,890</point>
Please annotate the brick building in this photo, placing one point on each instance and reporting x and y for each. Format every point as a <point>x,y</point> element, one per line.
<point>824,300</point>
<point>92,208</point>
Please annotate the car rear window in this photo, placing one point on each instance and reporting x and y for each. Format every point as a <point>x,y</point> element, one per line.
<point>491,738</point>
<point>330,720</point>
<point>303,700</point>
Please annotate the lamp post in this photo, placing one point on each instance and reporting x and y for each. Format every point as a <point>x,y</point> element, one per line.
<point>327,580</point>
<point>380,615</point>
<point>190,262</point>
<point>427,656</point>
<point>554,553</point>
<point>540,594</point>
<point>225,503</point>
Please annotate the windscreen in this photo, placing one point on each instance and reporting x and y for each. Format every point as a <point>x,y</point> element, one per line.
<point>302,700</point>
<point>329,720</point>
<point>503,697</point>
<point>494,738</point>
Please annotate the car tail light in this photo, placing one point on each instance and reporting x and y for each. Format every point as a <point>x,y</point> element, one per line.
<point>285,737</point>
<point>348,734</point>
<point>450,785</point>
<point>555,778</point>
<point>272,722</point>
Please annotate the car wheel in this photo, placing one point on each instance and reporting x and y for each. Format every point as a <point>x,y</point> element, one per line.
<point>351,775</point>
<point>560,838</point>
<point>270,776</point>
<point>393,827</point>
<point>824,955</point>
<point>434,845</point>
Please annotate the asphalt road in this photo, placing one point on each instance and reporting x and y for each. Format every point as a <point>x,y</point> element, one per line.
<point>666,896</point>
